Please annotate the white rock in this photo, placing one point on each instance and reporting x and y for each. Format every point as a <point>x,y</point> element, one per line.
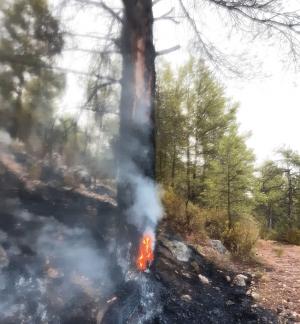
<point>229,302</point>
<point>240,280</point>
<point>186,274</point>
<point>255,295</point>
<point>228,279</point>
<point>186,297</point>
<point>203,279</point>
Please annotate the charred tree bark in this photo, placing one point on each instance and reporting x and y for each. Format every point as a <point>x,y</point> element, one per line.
<point>136,147</point>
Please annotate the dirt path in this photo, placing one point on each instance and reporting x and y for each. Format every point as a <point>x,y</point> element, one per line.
<point>278,277</point>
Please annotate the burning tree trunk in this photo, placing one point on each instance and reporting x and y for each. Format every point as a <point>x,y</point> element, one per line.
<point>136,154</point>
<point>136,150</point>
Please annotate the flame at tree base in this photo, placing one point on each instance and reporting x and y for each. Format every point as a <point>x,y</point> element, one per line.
<point>145,256</point>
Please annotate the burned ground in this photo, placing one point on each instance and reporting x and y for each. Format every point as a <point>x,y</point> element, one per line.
<point>59,264</point>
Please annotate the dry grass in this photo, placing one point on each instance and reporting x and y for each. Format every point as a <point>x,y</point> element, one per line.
<point>278,251</point>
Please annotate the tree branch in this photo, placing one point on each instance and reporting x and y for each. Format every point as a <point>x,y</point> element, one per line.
<point>154,2</point>
<point>262,13</point>
<point>102,4</point>
<point>91,51</point>
<point>20,60</point>
<point>168,50</point>
<point>90,36</point>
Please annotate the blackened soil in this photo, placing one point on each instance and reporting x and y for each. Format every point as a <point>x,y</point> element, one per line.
<point>181,297</point>
<point>188,300</point>
<point>38,286</point>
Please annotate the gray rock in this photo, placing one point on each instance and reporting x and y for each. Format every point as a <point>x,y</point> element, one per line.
<point>240,280</point>
<point>180,250</point>
<point>218,246</point>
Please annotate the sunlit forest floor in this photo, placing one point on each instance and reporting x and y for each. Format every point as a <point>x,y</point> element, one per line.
<point>277,276</point>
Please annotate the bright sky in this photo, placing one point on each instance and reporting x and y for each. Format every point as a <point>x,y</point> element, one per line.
<point>270,109</point>
<point>269,105</point>
<point>269,102</point>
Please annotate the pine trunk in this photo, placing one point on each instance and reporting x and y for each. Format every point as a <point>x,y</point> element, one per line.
<point>136,137</point>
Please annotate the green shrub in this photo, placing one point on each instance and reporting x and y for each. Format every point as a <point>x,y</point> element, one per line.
<point>178,213</point>
<point>271,234</point>
<point>289,235</point>
<point>215,224</point>
<point>174,207</point>
<point>242,237</point>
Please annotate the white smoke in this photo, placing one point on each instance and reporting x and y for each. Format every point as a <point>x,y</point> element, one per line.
<point>146,210</point>
<point>5,137</point>
<point>64,263</point>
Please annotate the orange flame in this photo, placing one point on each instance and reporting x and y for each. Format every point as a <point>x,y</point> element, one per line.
<point>145,256</point>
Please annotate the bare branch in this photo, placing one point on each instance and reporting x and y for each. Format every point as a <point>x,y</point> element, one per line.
<point>96,88</point>
<point>102,4</point>
<point>262,12</point>
<point>172,19</point>
<point>91,51</point>
<point>154,2</point>
<point>93,36</point>
<point>196,31</point>
<point>168,50</point>
<point>165,14</point>
<point>268,15</point>
<point>20,60</point>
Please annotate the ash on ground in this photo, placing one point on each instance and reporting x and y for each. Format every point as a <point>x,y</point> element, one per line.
<point>59,264</point>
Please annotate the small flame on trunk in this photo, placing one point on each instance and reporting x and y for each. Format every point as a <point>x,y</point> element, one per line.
<point>145,256</point>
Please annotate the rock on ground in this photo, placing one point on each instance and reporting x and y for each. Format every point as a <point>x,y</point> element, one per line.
<point>218,246</point>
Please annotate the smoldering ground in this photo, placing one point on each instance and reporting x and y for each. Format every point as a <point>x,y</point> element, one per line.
<point>53,267</point>
<point>61,257</point>
<point>48,268</point>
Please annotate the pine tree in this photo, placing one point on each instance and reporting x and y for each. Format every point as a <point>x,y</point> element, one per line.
<point>270,196</point>
<point>30,39</point>
<point>229,185</point>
